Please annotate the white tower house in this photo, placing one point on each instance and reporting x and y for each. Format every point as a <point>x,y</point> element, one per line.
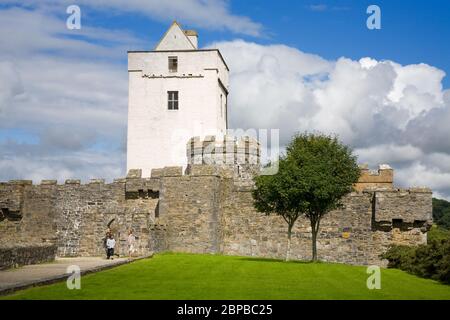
<point>176,91</point>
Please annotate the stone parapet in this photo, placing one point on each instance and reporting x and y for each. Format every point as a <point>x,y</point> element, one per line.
<point>172,171</point>
<point>227,150</point>
<point>241,154</point>
<point>373,179</point>
<point>21,182</point>
<point>23,254</point>
<point>404,205</point>
<point>209,170</point>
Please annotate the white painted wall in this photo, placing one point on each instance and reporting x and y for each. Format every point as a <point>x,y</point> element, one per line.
<point>157,136</point>
<point>194,41</point>
<point>175,39</point>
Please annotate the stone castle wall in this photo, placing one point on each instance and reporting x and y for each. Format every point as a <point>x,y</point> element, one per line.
<point>208,212</point>
<point>75,216</point>
<point>209,209</point>
<point>204,211</point>
<point>351,234</point>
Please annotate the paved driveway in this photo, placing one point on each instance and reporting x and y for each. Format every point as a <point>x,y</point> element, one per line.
<point>26,276</point>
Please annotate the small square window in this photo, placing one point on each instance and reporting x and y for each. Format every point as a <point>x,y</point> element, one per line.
<point>173,64</point>
<point>172,100</point>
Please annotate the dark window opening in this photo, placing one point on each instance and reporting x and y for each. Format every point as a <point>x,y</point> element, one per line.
<point>10,215</point>
<point>153,194</point>
<point>173,64</point>
<point>397,223</point>
<point>172,100</point>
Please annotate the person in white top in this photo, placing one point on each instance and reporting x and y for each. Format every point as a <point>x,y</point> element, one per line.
<point>110,244</point>
<point>131,241</point>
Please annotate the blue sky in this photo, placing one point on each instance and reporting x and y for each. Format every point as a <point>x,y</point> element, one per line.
<point>412,31</point>
<point>63,93</point>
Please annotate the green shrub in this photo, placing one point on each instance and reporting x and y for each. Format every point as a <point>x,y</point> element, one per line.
<point>441,213</point>
<point>400,257</point>
<point>437,233</point>
<point>427,261</point>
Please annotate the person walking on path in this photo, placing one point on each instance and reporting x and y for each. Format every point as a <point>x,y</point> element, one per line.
<point>105,239</point>
<point>131,241</point>
<point>110,244</point>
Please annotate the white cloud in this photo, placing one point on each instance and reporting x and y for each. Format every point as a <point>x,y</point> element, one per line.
<point>419,175</point>
<point>71,94</point>
<point>389,153</point>
<point>84,165</point>
<point>212,14</point>
<point>26,32</point>
<point>386,111</point>
<point>271,84</point>
<point>10,84</point>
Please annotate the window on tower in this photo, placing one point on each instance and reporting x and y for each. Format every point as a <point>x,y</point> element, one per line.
<point>173,64</point>
<point>172,100</point>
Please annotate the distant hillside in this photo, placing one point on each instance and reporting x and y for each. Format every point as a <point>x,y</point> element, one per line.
<point>441,213</point>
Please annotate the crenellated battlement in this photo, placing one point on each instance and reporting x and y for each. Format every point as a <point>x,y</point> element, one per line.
<point>226,150</point>
<point>370,180</point>
<point>204,209</point>
<point>381,178</point>
<point>241,154</point>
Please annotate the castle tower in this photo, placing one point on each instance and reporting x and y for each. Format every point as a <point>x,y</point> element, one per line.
<point>242,155</point>
<point>176,91</point>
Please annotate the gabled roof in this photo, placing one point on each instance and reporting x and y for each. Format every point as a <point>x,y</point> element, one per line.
<point>175,39</point>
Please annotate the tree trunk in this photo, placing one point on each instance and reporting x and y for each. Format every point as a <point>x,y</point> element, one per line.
<point>314,246</point>
<point>288,250</point>
<point>314,230</point>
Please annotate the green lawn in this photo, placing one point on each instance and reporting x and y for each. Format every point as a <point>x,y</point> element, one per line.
<point>189,276</point>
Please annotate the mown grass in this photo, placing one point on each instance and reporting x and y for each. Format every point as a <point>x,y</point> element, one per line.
<point>191,276</point>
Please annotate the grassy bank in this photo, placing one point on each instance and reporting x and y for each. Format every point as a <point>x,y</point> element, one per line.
<point>189,276</point>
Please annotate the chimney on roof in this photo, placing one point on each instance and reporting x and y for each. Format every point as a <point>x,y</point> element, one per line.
<point>192,36</point>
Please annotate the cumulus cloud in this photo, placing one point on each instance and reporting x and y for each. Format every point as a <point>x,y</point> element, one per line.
<point>66,95</point>
<point>10,84</point>
<point>395,154</point>
<point>32,162</point>
<point>70,94</point>
<point>212,14</point>
<point>24,32</point>
<point>389,113</point>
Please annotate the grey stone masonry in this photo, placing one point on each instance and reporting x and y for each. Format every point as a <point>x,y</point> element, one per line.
<point>208,209</point>
<point>16,255</point>
<point>241,154</point>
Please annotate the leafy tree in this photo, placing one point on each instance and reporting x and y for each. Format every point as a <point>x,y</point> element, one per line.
<point>279,194</point>
<point>313,176</point>
<point>441,213</point>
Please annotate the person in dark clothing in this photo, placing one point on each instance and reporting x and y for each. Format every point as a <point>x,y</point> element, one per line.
<point>110,244</point>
